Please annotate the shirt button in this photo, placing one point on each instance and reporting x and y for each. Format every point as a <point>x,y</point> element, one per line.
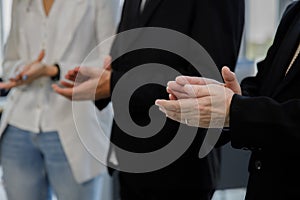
<point>258,165</point>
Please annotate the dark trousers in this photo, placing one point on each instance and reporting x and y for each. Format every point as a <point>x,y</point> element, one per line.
<point>137,192</point>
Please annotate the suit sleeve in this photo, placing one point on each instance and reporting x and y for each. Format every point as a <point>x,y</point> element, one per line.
<point>253,118</point>
<point>221,36</point>
<point>102,103</point>
<point>260,122</point>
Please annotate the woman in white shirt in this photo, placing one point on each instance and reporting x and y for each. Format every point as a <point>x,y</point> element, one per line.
<point>40,145</point>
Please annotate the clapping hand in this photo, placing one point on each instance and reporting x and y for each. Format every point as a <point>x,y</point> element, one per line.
<point>86,83</point>
<point>31,72</point>
<point>200,102</point>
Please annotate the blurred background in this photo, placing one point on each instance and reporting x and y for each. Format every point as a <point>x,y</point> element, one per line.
<point>262,18</point>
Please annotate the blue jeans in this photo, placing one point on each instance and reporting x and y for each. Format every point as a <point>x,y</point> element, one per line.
<point>35,164</point>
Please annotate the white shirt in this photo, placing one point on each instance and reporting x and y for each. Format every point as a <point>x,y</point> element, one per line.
<point>35,112</point>
<point>68,35</point>
<point>37,119</point>
<point>143,5</point>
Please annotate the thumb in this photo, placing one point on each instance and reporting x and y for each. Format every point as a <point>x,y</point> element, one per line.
<point>41,56</point>
<point>231,81</point>
<point>228,75</point>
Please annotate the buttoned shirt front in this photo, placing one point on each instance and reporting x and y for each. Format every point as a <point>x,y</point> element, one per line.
<point>39,29</point>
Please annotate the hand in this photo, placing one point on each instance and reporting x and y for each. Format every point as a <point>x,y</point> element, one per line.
<point>87,83</point>
<point>30,73</point>
<point>231,81</point>
<point>8,85</point>
<point>37,70</point>
<point>175,88</point>
<point>209,109</point>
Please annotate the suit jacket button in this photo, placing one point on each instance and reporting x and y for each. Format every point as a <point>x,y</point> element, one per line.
<point>258,165</point>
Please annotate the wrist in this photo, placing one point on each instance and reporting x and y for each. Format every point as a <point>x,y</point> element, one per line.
<point>228,106</point>
<point>51,70</point>
<point>103,89</point>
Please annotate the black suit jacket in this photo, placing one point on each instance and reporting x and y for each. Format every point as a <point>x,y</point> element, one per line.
<point>268,121</point>
<point>217,25</point>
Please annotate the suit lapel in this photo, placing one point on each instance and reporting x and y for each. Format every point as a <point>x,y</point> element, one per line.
<point>127,23</point>
<point>287,38</point>
<point>149,11</point>
<point>68,29</point>
<point>293,41</point>
<point>293,73</point>
<point>129,19</point>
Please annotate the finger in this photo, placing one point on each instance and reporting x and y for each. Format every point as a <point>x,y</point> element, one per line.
<point>71,74</point>
<point>67,84</point>
<point>25,77</point>
<point>8,85</point>
<point>29,71</point>
<point>172,97</point>
<point>177,90</point>
<point>180,106</point>
<point>15,79</point>
<point>41,56</point>
<point>183,80</point>
<point>22,71</point>
<point>19,76</point>
<point>81,74</point>
<point>178,95</point>
<point>66,92</point>
<point>228,75</point>
<point>162,104</point>
<point>168,105</point>
<point>33,73</point>
<point>174,86</point>
<point>230,79</point>
<point>70,77</point>
<point>197,91</point>
<point>74,71</point>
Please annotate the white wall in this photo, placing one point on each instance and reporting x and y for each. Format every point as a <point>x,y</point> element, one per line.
<point>262,20</point>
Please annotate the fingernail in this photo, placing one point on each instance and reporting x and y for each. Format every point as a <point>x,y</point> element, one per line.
<point>24,78</point>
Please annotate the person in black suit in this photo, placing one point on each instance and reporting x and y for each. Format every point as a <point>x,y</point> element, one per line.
<point>265,119</point>
<point>217,26</point>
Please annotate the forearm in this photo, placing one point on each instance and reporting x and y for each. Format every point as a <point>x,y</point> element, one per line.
<point>114,77</point>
